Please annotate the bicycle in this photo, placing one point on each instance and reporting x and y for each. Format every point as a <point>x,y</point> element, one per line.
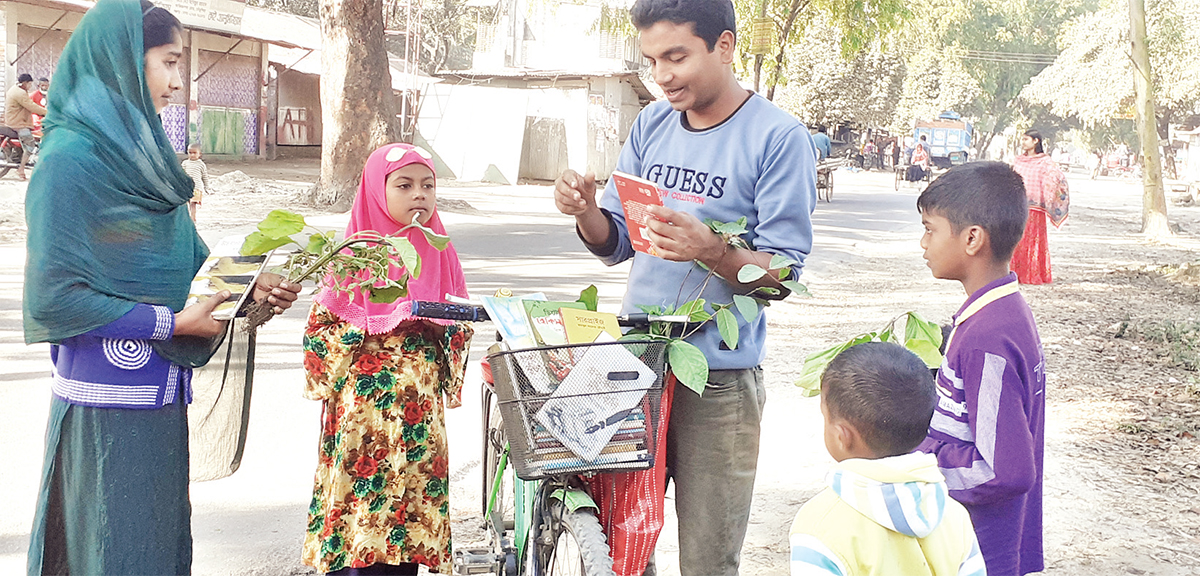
<point>539,516</point>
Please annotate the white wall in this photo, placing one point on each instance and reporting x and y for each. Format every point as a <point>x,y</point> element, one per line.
<point>473,127</point>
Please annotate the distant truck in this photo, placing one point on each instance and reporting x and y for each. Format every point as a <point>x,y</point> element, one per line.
<point>949,138</point>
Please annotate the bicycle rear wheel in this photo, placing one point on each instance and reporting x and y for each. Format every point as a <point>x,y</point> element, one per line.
<point>494,442</point>
<point>571,544</point>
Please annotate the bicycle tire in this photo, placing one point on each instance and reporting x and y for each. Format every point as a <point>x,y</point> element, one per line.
<point>572,532</point>
<point>493,447</point>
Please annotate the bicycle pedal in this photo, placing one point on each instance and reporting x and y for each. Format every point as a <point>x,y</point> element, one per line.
<point>476,561</point>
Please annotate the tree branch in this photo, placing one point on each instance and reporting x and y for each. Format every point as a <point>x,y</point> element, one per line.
<point>793,12</point>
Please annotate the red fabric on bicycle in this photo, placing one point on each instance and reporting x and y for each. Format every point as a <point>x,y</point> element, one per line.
<point>1031,259</point>
<point>631,503</point>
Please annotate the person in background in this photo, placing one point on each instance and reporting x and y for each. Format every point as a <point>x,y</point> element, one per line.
<point>19,109</point>
<point>886,510</point>
<point>1048,197</point>
<point>870,154</point>
<point>822,142</point>
<point>39,97</point>
<point>198,170</point>
<point>111,258</point>
<point>988,428</point>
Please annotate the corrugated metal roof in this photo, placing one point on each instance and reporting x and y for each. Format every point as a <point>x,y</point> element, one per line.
<point>255,32</point>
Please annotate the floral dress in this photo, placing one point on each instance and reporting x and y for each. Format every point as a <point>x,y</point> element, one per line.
<point>381,492</point>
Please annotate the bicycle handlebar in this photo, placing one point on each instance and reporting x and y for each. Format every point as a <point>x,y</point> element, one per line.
<point>476,313</point>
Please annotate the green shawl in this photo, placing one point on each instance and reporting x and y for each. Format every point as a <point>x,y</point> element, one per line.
<point>105,207</point>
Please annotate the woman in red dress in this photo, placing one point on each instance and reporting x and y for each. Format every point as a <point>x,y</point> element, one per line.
<point>1046,190</point>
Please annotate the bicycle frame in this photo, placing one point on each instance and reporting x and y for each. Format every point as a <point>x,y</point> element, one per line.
<point>527,494</point>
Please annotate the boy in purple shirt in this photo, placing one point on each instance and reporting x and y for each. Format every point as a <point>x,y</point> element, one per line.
<point>987,429</point>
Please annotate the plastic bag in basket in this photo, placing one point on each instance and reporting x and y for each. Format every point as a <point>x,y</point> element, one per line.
<point>592,401</point>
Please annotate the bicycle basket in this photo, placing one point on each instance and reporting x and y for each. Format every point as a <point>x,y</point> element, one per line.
<point>580,408</point>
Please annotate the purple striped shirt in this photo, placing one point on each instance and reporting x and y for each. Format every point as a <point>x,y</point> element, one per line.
<point>987,429</point>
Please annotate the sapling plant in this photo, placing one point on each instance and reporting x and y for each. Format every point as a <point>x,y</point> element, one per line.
<point>362,259</point>
<point>687,362</point>
<point>920,336</point>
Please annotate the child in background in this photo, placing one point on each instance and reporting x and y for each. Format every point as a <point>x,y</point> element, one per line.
<point>885,511</point>
<point>987,430</point>
<point>196,168</point>
<point>381,493</point>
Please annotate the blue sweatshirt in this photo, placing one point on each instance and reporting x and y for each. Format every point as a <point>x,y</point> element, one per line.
<point>760,164</point>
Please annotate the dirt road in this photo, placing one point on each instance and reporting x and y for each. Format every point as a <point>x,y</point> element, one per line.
<point>1122,481</point>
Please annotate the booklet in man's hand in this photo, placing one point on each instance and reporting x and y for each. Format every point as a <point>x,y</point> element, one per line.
<point>636,194</point>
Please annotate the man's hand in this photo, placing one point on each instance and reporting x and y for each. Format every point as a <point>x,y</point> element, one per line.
<point>272,289</point>
<point>681,237</point>
<point>197,320</point>
<point>575,195</point>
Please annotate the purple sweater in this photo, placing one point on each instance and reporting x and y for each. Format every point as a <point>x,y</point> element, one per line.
<point>115,366</point>
<point>987,430</point>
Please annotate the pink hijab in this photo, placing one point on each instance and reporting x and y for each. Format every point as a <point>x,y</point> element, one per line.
<point>441,272</point>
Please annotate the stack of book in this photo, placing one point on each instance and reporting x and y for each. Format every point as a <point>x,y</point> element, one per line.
<point>583,407</point>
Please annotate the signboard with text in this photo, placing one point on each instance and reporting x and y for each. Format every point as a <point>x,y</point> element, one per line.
<point>221,15</point>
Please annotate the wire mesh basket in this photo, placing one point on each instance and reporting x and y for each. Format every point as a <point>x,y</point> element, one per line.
<point>580,408</point>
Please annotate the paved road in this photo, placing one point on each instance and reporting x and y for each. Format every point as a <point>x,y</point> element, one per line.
<point>252,522</point>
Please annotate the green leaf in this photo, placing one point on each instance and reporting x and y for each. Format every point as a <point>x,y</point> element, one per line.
<point>438,241</point>
<point>728,326</point>
<point>281,224</point>
<point>408,255</point>
<point>387,294</point>
<point>746,306</point>
<point>814,367</point>
<point>653,310</point>
<point>778,261</point>
<point>769,291</point>
<point>925,350</point>
<point>689,365</point>
<point>750,273</point>
<point>694,310</point>
<point>736,228</point>
<point>257,243</point>
<point>316,243</point>
<point>796,287</point>
<point>590,297</point>
<point>640,337</point>
<point>916,327</point>
<point>888,335</point>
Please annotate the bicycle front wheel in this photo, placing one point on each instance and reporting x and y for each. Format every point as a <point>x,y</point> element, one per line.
<point>571,544</point>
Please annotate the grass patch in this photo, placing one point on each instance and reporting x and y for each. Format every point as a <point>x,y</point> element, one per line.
<point>1179,339</point>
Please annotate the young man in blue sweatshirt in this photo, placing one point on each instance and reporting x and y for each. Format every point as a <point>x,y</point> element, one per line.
<point>716,151</point>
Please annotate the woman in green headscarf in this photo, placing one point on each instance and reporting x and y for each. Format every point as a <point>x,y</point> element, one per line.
<point>111,255</point>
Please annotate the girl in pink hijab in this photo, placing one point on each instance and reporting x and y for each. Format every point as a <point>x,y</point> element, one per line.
<point>380,497</point>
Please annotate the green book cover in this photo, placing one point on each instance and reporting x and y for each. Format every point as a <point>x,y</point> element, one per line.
<point>547,322</point>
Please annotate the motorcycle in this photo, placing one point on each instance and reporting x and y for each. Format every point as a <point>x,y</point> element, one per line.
<point>11,150</point>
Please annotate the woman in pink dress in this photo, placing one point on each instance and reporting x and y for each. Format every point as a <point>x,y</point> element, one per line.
<point>1046,190</point>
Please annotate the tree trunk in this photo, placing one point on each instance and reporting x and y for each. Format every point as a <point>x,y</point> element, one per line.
<point>1154,201</point>
<point>758,58</point>
<point>357,107</point>
<point>793,12</point>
